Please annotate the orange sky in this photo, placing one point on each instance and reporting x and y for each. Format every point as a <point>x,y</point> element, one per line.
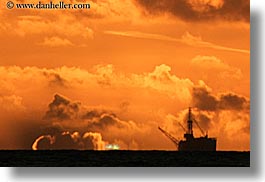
<point>136,64</point>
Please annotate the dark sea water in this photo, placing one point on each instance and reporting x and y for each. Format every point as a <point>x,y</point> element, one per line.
<point>71,158</point>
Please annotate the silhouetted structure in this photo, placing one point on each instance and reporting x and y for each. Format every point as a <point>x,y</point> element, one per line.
<point>190,143</point>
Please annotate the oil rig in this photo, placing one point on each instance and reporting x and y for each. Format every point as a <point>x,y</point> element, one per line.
<point>190,143</point>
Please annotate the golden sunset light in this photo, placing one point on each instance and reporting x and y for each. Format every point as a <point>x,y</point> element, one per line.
<point>106,77</point>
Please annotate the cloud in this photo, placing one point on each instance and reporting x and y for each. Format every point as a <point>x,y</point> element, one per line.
<point>66,115</point>
<point>203,5</point>
<point>187,39</point>
<point>124,106</point>
<point>200,10</point>
<point>124,111</point>
<point>56,42</point>
<point>57,28</point>
<point>214,65</point>
<point>11,103</point>
<point>105,73</point>
<point>102,77</point>
<point>43,142</point>
<point>160,80</point>
<point>55,79</point>
<point>204,121</point>
<point>192,40</point>
<point>61,109</point>
<point>69,141</point>
<point>233,102</point>
<point>74,25</point>
<point>96,140</point>
<point>163,81</point>
<point>204,100</point>
<point>113,10</point>
<point>66,26</point>
<point>104,121</point>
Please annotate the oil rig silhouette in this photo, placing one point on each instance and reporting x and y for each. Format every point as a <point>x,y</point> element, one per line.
<point>190,143</point>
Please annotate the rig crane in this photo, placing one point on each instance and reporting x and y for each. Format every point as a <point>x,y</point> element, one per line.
<point>173,139</point>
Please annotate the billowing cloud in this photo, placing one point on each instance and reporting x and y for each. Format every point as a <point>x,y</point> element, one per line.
<point>204,100</point>
<point>200,10</point>
<point>234,102</point>
<point>73,126</point>
<point>95,139</point>
<point>61,109</point>
<point>101,77</point>
<point>163,81</point>
<point>122,108</point>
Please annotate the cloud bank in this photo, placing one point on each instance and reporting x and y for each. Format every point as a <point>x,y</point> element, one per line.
<point>200,10</point>
<point>110,107</point>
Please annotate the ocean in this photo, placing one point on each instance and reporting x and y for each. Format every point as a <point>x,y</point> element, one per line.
<point>122,158</point>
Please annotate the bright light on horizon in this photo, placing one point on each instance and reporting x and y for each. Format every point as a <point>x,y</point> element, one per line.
<point>112,147</point>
